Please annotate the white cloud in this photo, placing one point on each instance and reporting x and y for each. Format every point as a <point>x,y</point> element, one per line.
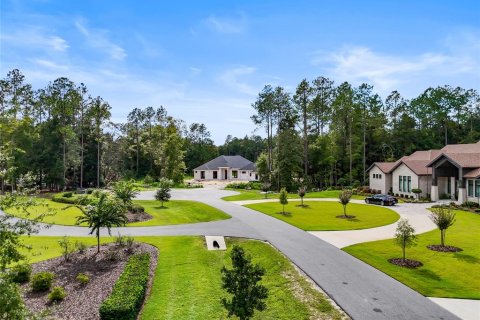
<point>194,71</point>
<point>231,79</point>
<point>35,37</point>
<point>228,25</point>
<point>98,38</point>
<point>389,71</point>
<point>50,64</point>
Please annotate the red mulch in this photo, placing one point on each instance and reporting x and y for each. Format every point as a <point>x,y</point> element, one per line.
<point>440,248</point>
<point>83,302</point>
<point>406,263</point>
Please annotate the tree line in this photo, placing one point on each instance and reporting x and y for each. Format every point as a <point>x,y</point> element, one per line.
<point>327,135</point>
<point>323,134</point>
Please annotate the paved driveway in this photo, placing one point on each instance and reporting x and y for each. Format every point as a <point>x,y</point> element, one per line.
<point>361,290</point>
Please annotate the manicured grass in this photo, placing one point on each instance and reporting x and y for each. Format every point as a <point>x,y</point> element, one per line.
<point>450,275</point>
<point>187,283</point>
<point>175,212</point>
<point>57,213</point>
<point>43,247</point>
<point>178,212</point>
<point>321,215</point>
<point>257,195</point>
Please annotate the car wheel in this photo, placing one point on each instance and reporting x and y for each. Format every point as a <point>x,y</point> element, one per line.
<point>382,203</point>
<point>367,201</point>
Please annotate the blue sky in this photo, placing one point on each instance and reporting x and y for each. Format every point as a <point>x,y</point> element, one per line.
<point>206,61</point>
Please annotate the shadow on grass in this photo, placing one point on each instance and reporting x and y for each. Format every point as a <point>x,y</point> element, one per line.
<point>161,208</point>
<point>428,274</point>
<point>466,258</point>
<point>285,214</point>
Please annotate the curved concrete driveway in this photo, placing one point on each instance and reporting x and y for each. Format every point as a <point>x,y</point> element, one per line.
<point>416,213</point>
<point>361,290</point>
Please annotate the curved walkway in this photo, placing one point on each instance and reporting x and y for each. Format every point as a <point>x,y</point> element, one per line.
<point>360,290</point>
<point>416,213</point>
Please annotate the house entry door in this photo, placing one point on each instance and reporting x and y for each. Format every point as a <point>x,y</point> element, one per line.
<point>225,174</point>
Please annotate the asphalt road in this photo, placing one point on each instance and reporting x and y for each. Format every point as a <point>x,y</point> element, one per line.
<point>361,290</point>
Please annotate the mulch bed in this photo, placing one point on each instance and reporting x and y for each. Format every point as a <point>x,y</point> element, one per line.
<point>406,263</point>
<point>440,248</point>
<point>138,217</point>
<point>83,302</point>
<point>345,217</point>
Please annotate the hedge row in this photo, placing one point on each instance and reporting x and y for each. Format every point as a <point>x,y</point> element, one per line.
<point>129,291</point>
<point>80,200</point>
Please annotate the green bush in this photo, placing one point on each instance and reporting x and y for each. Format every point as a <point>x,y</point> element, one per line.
<point>61,199</point>
<point>42,281</point>
<point>80,246</point>
<point>57,294</point>
<point>83,278</point>
<point>136,208</point>
<point>129,291</point>
<point>245,185</point>
<point>21,273</point>
<point>67,194</point>
<point>470,204</point>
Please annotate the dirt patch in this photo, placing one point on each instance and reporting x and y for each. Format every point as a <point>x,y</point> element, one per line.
<point>83,301</point>
<point>406,263</point>
<point>345,216</point>
<point>138,217</point>
<point>440,248</point>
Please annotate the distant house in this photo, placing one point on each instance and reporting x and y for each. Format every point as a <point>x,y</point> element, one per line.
<point>451,172</point>
<point>226,168</point>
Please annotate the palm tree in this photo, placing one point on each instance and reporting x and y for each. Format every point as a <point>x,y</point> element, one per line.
<point>107,213</point>
<point>125,191</point>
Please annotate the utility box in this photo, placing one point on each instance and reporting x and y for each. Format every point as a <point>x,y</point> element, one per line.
<point>215,243</point>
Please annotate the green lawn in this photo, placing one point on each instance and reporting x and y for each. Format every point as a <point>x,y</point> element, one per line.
<point>450,275</point>
<point>187,282</point>
<point>175,212</point>
<point>257,195</point>
<point>178,212</point>
<point>321,215</point>
<point>58,213</point>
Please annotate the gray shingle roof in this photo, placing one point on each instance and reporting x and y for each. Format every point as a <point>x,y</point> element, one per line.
<point>235,162</point>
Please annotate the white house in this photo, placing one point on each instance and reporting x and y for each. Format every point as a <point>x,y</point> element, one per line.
<point>451,172</point>
<point>235,168</point>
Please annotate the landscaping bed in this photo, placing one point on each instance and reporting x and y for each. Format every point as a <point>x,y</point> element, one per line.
<point>102,269</point>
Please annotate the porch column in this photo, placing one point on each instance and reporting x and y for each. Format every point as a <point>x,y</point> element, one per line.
<point>434,192</point>
<point>462,187</point>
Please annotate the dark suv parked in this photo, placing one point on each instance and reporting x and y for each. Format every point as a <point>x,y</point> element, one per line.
<point>381,199</point>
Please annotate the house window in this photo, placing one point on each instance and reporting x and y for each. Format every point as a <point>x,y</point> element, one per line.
<point>215,174</point>
<point>244,172</point>
<point>380,176</point>
<point>470,188</point>
<point>234,174</point>
<point>477,188</point>
<point>409,184</point>
<point>202,174</point>
<point>400,180</point>
<point>405,184</point>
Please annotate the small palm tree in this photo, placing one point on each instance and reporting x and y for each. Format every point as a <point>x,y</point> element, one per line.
<point>283,198</point>
<point>344,198</point>
<point>443,217</point>
<point>125,191</point>
<point>107,213</point>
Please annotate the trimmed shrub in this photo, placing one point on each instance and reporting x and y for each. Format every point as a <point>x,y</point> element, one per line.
<point>470,204</point>
<point>21,273</point>
<point>42,281</point>
<point>67,194</point>
<point>129,291</point>
<point>61,199</point>
<point>83,278</point>
<point>136,208</point>
<point>57,294</point>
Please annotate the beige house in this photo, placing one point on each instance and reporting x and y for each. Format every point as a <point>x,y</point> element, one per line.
<point>235,168</point>
<point>452,172</point>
